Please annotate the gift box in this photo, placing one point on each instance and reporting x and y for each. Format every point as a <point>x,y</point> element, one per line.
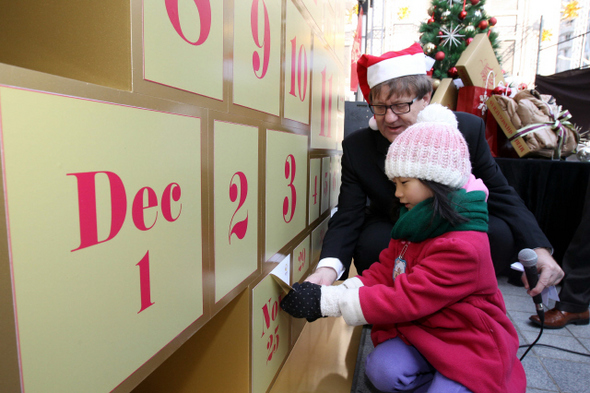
<point>472,99</point>
<point>446,94</point>
<point>476,62</point>
<point>509,129</point>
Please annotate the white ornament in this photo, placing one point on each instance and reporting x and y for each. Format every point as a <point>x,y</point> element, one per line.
<point>446,14</point>
<point>477,14</point>
<point>451,35</point>
<point>469,28</point>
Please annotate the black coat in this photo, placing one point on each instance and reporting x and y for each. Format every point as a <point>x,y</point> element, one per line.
<point>364,182</point>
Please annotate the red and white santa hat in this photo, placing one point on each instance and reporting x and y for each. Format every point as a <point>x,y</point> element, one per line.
<point>373,70</point>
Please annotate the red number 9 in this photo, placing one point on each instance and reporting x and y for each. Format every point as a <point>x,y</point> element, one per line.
<point>265,44</point>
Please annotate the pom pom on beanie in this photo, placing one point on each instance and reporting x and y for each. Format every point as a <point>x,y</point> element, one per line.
<point>432,149</point>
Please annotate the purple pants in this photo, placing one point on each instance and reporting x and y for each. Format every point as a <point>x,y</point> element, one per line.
<point>394,366</point>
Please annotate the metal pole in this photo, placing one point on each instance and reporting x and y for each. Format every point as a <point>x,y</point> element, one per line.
<point>539,49</point>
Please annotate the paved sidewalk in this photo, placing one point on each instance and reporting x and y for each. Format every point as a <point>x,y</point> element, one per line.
<point>549,369</point>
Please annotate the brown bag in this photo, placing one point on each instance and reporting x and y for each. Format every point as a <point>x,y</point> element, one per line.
<point>543,125</point>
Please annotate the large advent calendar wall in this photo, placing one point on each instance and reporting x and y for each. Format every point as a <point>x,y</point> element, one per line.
<point>159,160</point>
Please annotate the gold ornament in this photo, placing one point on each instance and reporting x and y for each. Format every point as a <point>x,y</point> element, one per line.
<point>570,11</point>
<point>403,13</point>
<point>429,47</point>
<point>546,35</point>
<point>435,83</point>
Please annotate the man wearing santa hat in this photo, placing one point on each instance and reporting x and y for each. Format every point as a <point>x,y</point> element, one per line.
<point>397,88</point>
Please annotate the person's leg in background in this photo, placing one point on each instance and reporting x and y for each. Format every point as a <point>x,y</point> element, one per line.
<point>503,249</point>
<point>574,297</point>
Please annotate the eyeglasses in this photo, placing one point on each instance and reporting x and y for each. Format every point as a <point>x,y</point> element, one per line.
<point>398,109</point>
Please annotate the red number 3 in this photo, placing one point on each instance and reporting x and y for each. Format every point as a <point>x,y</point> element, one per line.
<point>204,7</point>
<point>290,175</point>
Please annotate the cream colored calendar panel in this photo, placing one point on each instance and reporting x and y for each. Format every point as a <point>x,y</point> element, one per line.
<point>317,238</point>
<point>301,258</point>
<point>335,162</point>
<point>270,333</point>
<point>104,217</point>
<point>257,55</point>
<point>286,188</point>
<point>326,178</point>
<point>236,204</point>
<point>183,45</point>
<point>315,188</point>
<point>298,56</point>
<point>324,99</point>
<point>315,8</point>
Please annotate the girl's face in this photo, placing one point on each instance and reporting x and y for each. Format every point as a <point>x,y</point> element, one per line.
<point>411,191</point>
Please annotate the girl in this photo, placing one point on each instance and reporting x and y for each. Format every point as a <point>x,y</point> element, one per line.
<point>439,320</point>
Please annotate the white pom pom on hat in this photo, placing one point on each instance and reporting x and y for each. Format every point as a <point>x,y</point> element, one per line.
<point>432,149</point>
<point>373,124</point>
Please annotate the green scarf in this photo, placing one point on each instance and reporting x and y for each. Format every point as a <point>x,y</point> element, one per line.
<point>415,225</point>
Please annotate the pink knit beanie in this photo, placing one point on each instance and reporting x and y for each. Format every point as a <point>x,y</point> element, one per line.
<point>432,149</point>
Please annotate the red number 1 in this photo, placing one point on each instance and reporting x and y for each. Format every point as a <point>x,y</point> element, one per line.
<point>329,105</point>
<point>144,282</point>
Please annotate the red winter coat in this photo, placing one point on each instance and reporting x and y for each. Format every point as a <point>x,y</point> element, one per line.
<point>448,306</point>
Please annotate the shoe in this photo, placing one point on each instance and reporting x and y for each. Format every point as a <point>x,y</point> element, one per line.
<point>557,319</point>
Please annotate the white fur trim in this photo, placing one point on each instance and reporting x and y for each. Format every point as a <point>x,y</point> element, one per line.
<point>350,307</point>
<point>436,113</point>
<point>373,124</point>
<point>397,66</point>
<point>330,299</point>
<point>353,282</point>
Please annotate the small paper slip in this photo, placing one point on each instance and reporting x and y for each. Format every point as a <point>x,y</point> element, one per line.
<point>281,274</point>
<point>549,293</point>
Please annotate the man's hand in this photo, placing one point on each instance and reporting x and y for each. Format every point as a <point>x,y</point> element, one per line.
<point>323,276</point>
<point>549,270</point>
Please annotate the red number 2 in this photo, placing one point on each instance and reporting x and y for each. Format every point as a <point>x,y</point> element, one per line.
<point>240,227</point>
<point>204,7</point>
<point>290,175</point>
<point>265,44</point>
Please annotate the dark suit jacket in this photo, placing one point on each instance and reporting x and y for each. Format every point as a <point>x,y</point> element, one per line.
<point>363,176</point>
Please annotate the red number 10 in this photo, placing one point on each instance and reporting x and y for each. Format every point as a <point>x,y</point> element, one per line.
<point>296,68</point>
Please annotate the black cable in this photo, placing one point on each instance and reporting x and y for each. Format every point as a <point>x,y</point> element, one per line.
<point>558,348</point>
<point>537,339</point>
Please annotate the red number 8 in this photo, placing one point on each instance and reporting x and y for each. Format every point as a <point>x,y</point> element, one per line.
<point>204,7</point>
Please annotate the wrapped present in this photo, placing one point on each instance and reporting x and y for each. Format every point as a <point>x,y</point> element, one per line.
<point>446,94</point>
<point>534,127</point>
<point>476,62</point>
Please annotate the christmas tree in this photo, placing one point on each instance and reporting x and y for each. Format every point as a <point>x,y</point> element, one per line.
<point>451,27</point>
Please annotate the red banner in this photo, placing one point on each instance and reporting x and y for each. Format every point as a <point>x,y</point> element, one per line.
<point>356,52</point>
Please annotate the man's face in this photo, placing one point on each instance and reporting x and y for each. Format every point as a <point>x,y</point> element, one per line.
<point>391,125</point>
